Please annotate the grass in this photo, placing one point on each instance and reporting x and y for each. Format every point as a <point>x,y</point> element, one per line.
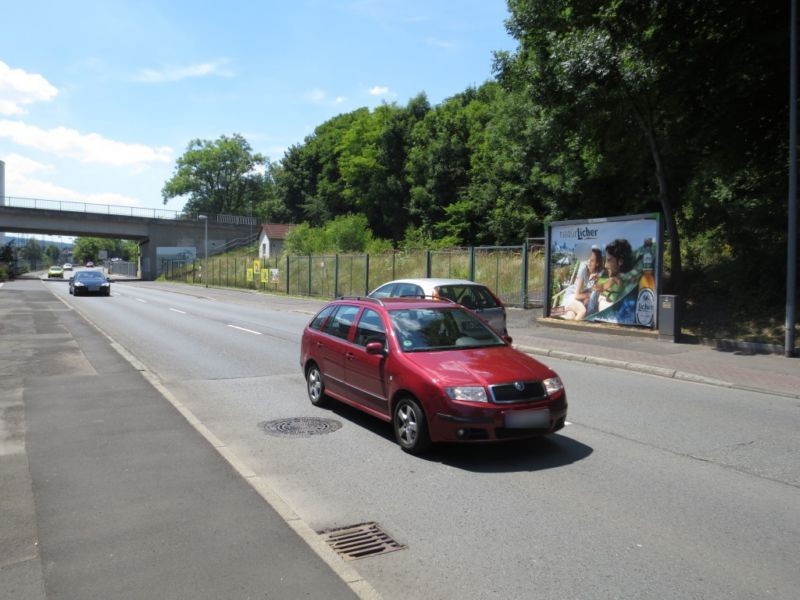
<point>708,310</point>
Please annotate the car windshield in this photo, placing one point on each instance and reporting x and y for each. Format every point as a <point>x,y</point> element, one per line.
<point>89,275</point>
<point>428,329</point>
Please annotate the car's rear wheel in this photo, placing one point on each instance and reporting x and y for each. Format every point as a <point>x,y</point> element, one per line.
<point>411,426</point>
<point>315,386</point>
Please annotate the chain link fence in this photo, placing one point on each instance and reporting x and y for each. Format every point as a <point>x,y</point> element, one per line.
<point>514,273</point>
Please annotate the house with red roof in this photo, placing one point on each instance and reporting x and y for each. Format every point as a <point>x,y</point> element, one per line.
<point>270,241</point>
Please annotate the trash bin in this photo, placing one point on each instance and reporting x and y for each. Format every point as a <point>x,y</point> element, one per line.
<point>669,318</point>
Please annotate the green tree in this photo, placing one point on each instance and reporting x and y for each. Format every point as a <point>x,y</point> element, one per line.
<point>222,176</point>
<point>88,248</point>
<point>32,252</point>
<point>53,253</point>
<point>687,84</point>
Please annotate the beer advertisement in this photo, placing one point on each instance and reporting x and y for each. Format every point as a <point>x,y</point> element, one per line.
<point>605,270</point>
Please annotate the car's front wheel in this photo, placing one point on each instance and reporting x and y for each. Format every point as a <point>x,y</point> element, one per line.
<point>411,426</point>
<point>315,386</point>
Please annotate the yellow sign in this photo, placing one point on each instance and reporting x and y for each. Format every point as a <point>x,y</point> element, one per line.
<point>256,266</point>
<point>249,275</point>
<point>264,275</point>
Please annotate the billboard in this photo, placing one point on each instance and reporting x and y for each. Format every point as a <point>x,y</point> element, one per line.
<point>605,270</point>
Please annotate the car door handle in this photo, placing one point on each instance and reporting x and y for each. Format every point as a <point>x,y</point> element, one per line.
<point>349,355</point>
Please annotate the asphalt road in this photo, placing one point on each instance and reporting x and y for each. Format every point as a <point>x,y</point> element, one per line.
<point>657,488</point>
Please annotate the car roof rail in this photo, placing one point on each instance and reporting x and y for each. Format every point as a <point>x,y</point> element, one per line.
<point>367,298</point>
<point>427,297</point>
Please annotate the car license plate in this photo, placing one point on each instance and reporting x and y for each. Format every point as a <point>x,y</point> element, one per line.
<point>528,419</point>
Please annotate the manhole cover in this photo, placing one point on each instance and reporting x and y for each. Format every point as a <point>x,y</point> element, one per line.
<point>300,426</point>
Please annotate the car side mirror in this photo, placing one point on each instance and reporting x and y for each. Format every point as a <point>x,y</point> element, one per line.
<point>507,339</point>
<point>375,348</point>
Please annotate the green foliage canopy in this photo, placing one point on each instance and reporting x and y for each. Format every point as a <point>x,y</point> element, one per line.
<point>219,177</point>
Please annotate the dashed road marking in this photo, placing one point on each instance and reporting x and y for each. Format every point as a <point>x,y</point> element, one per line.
<point>247,330</point>
<point>177,311</point>
<point>142,301</point>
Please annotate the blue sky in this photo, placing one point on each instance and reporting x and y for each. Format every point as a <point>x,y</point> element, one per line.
<point>99,99</point>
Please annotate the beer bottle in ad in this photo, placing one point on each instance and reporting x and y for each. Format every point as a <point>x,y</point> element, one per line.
<point>646,299</point>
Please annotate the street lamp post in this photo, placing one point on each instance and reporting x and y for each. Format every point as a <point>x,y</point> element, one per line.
<point>205,266</point>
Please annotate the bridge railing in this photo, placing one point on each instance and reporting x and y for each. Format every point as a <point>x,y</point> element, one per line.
<point>124,211</point>
<point>87,207</point>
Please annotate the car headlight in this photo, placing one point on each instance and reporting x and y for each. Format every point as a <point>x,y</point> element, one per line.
<point>553,385</point>
<point>105,284</point>
<point>469,393</point>
<point>78,284</point>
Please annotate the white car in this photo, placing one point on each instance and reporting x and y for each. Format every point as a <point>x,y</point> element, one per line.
<point>474,296</point>
<point>67,267</point>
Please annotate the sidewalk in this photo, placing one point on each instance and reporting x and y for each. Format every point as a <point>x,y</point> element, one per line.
<point>107,491</point>
<point>733,368</point>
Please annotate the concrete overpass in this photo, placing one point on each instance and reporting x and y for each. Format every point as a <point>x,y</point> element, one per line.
<point>162,235</point>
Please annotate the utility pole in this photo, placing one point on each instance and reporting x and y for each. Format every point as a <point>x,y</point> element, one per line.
<point>205,266</point>
<point>791,259</point>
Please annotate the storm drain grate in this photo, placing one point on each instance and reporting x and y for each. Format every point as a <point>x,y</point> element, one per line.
<point>300,426</point>
<point>360,541</point>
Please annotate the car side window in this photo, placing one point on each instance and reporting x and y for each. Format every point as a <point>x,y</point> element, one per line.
<point>385,291</point>
<point>317,322</point>
<point>340,322</point>
<point>408,289</point>
<point>370,328</point>
<point>483,299</point>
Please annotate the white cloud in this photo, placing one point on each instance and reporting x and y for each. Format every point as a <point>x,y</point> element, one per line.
<point>380,90</point>
<point>316,96</point>
<point>23,165</point>
<point>320,96</point>
<point>441,43</point>
<point>89,147</point>
<point>217,68</point>
<point>19,184</point>
<point>18,88</point>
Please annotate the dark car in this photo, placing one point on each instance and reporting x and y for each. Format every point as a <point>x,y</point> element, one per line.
<point>433,369</point>
<point>475,296</point>
<point>89,282</point>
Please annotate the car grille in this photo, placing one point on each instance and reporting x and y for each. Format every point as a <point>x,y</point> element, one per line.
<point>507,392</point>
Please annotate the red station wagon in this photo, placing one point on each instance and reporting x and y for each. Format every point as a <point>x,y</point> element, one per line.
<point>433,369</point>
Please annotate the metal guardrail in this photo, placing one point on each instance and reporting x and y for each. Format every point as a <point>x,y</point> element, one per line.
<point>124,211</point>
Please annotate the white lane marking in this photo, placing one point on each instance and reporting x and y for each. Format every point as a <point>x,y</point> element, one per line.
<point>247,330</point>
<point>142,301</point>
<point>2,284</point>
<point>177,311</point>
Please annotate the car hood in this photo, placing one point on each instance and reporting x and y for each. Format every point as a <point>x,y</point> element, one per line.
<point>486,366</point>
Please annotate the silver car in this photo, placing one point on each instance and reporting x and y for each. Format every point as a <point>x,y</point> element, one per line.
<point>475,296</point>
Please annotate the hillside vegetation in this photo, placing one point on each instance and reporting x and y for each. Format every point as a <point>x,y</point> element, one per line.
<point>606,108</point>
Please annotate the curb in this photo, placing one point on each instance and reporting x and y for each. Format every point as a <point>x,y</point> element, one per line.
<point>346,572</point>
<point>648,370</point>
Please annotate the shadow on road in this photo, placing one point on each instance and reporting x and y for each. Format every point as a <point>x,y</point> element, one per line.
<point>536,454</point>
